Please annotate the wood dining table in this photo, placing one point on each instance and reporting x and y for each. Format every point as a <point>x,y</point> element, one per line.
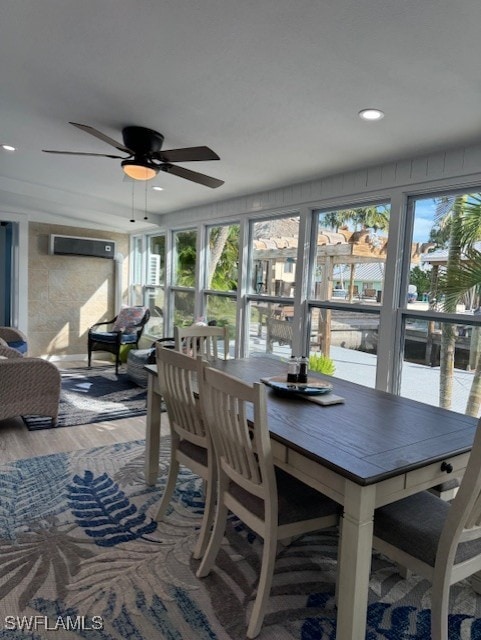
<point>367,451</point>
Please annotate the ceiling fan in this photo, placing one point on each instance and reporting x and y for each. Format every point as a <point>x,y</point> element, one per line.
<point>145,157</point>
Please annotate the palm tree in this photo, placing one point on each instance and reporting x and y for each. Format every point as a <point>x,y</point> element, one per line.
<point>454,214</point>
<point>223,257</point>
<point>376,218</point>
<point>463,273</point>
<point>373,217</point>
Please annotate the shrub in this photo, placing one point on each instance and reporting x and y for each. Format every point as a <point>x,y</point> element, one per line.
<point>322,364</point>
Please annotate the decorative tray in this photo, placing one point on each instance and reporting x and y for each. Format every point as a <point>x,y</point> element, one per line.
<point>313,387</point>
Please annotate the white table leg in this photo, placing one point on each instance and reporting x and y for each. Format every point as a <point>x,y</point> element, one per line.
<point>355,561</point>
<point>152,433</point>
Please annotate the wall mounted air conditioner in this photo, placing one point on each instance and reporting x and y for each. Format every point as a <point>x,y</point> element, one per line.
<point>153,270</point>
<point>73,246</point>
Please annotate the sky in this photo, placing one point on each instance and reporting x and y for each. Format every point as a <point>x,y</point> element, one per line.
<point>423,219</point>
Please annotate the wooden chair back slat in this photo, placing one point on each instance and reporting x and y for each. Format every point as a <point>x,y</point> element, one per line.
<point>177,375</point>
<point>238,421</point>
<point>208,342</point>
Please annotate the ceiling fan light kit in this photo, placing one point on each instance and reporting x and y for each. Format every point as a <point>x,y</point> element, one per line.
<point>145,157</point>
<point>139,169</point>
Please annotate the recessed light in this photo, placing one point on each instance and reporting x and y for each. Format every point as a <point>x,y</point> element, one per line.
<point>157,188</point>
<point>371,114</point>
<point>8,147</point>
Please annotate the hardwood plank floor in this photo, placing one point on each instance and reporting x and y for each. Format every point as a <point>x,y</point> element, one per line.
<point>17,442</point>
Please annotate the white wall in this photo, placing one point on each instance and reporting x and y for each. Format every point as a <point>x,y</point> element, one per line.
<point>449,168</point>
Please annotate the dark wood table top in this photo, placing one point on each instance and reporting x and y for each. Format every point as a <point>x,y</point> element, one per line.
<point>371,437</point>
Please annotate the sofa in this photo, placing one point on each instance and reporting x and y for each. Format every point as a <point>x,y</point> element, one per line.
<point>11,337</point>
<point>28,386</point>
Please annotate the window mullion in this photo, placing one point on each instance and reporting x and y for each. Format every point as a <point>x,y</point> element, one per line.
<point>388,351</point>
<point>300,343</point>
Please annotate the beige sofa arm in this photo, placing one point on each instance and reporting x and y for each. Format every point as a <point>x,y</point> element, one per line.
<point>8,352</point>
<point>10,334</point>
<point>29,386</point>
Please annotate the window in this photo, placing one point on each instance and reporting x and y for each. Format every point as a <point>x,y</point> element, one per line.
<point>393,302</point>
<point>350,254</point>
<point>440,303</point>
<point>148,280</point>
<point>222,268</point>
<point>272,283</point>
<point>154,291</point>
<point>185,254</point>
<point>222,275</point>
<point>184,276</point>
<point>137,277</point>
<point>348,259</point>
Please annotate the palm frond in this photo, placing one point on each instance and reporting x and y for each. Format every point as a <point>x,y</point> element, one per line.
<point>471,225</point>
<point>104,511</point>
<point>461,278</point>
<point>444,207</point>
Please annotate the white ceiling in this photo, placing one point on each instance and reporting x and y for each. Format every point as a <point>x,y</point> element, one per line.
<point>273,86</point>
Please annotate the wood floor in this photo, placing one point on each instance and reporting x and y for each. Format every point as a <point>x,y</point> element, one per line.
<point>17,442</point>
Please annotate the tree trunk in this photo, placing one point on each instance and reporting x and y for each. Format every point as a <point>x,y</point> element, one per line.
<point>432,305</point>
<point>474,399</point>
<point>448,346</point>
<point>216,253</point>
<point>448,334</point>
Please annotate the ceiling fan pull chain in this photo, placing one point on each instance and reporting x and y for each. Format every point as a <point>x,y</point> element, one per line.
<point>132,219</point>
<point>146,217</point>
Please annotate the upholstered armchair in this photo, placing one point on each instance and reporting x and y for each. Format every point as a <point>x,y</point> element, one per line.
<point>28,386</point>
<point>14,338</point>
<point>126,328</point>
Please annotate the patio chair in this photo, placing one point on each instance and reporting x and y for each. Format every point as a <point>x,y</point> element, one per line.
<point>270,502</point>
<point>206,341</point>
<point>127,328</point>
<point>190,441</point>
<point>436,539</point>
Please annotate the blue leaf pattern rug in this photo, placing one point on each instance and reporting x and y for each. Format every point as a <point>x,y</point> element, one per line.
<point>81,556</point>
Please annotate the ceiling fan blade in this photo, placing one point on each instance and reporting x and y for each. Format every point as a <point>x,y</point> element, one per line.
<point>81,153</point>
<point>188,154</point>
<point>102,136</point>
<point>194,176</point>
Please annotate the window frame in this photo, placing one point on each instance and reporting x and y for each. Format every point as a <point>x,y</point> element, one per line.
<point>393,311</point>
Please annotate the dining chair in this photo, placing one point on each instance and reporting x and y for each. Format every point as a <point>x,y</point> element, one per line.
<point>269,501</point>
<point>210,342</point>
<point>438,540</point>
<point>190,442</point>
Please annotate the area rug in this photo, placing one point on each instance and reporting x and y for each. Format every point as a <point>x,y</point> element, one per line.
<point>94,395</point>
<point>82,555</point>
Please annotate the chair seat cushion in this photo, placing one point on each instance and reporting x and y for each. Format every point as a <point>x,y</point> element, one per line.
<point>297,501</point>
<point>414,525</point>
<point>193,451</point>
<point>111,337</point>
